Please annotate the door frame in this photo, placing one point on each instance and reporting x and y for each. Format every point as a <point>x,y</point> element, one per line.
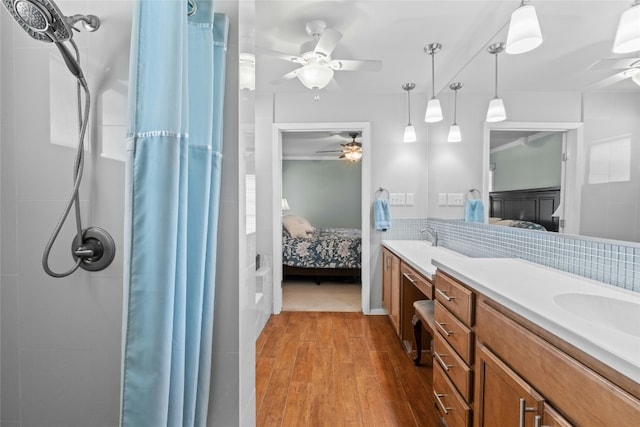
<point>276,202</point>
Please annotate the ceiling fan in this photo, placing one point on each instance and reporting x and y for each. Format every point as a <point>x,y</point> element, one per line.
<point>351,151</point>
<point>317,65</point>
<point>629,68</point>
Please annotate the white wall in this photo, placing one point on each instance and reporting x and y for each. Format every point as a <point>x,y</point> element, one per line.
<point>396,166</point>
<point>612,210</point>
<point>61,338</point>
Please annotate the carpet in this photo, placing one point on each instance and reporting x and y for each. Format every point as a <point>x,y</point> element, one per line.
<point>299,295</point>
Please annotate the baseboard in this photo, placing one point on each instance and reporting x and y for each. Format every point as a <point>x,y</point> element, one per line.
<point>377,312</point>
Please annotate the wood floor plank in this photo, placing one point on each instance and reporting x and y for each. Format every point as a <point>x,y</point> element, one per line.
<point>338,369</point>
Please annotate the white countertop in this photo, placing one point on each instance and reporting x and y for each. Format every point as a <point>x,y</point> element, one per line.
<point>419,253</point>
<point>601,320</point>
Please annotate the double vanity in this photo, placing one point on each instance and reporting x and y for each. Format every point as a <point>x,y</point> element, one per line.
<point>516,343</point>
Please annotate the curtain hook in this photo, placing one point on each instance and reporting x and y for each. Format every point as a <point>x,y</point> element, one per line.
<point>192,6</point>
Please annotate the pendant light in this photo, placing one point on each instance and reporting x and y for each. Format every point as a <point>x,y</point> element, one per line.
<point>628,35</point>
<point>496,111</point>
<point>524,30</point>
<point>454,131</point>
<point>409,130</point>
<point>434,112</point>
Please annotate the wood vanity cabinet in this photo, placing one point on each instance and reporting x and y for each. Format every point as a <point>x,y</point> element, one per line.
<point>522,375</point>
<point>391,287</point>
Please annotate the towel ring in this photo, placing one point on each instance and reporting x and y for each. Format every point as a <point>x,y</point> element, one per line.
<point>471,193</point>
<point>380,192</point>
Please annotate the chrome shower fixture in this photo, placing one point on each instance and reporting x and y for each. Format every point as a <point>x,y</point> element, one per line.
<point>93,249</point>
<point>43,21</point>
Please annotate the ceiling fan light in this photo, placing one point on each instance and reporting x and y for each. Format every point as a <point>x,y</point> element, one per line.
<point>353,155</point>
<point>314,75</point>
<point>454,134</point>
<point>524,30</point>
<point>434,111</point>
<point>496,111</point>
<point>628,34</point>
<point>409,134</point>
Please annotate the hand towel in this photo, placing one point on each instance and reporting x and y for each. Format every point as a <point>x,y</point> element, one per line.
<point>474,211</point>
<point>381,215</point>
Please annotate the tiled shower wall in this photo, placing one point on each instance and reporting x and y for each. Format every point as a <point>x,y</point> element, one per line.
<point>608,261</point>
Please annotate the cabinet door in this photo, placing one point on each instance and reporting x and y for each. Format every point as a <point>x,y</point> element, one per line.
<point>502,397</point>
<point>386,280</point>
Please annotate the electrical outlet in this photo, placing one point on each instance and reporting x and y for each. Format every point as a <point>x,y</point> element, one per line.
<point>410,199</point>
<point>397,199</point>
<point>455,199</point>
<point>442,199</point>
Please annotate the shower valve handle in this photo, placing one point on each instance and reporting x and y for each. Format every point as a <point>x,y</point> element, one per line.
<point>90,249</point>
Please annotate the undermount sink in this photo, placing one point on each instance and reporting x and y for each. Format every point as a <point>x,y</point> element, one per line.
<point>617,314</point>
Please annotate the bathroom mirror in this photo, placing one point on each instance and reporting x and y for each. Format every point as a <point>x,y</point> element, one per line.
<point>575,80</point>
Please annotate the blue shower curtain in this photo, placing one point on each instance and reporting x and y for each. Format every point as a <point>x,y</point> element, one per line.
<point>173,185</point>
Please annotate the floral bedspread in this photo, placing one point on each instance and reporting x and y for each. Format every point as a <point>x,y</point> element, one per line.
<point>324,248</point>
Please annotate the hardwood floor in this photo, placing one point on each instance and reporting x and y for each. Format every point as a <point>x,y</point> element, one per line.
<point>338,369</point>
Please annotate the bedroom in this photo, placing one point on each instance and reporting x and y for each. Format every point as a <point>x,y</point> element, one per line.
<point>321,234</point>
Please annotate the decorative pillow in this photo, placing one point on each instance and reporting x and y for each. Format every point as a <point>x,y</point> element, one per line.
<point>297,226</point>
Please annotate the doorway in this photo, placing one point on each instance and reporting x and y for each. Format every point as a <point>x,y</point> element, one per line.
<point>279,130</point>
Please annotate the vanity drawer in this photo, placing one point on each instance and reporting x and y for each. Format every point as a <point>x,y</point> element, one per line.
<point>455,368</point>
<point>418,280</point>
<point>452,407</point>
<point>457,298</point>
<point>454,332</point>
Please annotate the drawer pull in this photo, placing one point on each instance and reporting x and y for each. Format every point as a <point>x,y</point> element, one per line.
<point>408,277</point>
<point>523,409</point>
<point>438,396</point>
<point>445,296</point>
<point>444,331</point>
<point>444,365</point>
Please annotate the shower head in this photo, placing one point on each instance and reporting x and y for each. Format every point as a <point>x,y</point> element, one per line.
<point>41,19</point>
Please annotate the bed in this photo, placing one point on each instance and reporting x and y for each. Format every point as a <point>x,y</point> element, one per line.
<point>321,252</point>
<point>531,208</point>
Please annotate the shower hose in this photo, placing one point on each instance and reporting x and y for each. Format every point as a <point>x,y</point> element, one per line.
<point>74,199</point>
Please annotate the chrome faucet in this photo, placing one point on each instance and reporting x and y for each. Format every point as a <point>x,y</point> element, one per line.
<point>433,234</point>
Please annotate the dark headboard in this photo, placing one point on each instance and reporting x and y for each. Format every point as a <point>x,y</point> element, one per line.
<point>535,205</point>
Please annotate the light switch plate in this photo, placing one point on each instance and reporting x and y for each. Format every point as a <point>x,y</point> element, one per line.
<point>442,199</point>
<point>455,199</point>
<point>397,199</point>
<point>410,199</point>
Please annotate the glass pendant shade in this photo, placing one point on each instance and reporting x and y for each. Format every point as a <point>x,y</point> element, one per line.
<point>434,112</point>
<point>496,111</point>
<point>524,30</point>
<point>454,134</point>
<point>353,156</point>
<point>247,71</point>
<point>628,35</point>
<point>314,75</point>
<point>409,133</point>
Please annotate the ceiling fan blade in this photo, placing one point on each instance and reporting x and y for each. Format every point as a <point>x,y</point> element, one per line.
<point>608,81</point>
<point>614,63</point>
<point>282,55</point>
<point>356,65</point>
<point>328,41</point>
<point>330,151</point>
<point>291,75</point>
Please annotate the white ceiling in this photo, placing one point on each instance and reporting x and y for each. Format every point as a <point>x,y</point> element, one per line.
<point>576,33</point>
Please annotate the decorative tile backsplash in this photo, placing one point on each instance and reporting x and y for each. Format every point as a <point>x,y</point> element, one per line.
<point>609,261</point>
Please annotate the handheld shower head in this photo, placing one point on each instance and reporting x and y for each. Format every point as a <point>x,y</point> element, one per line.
<point>41,19</point>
